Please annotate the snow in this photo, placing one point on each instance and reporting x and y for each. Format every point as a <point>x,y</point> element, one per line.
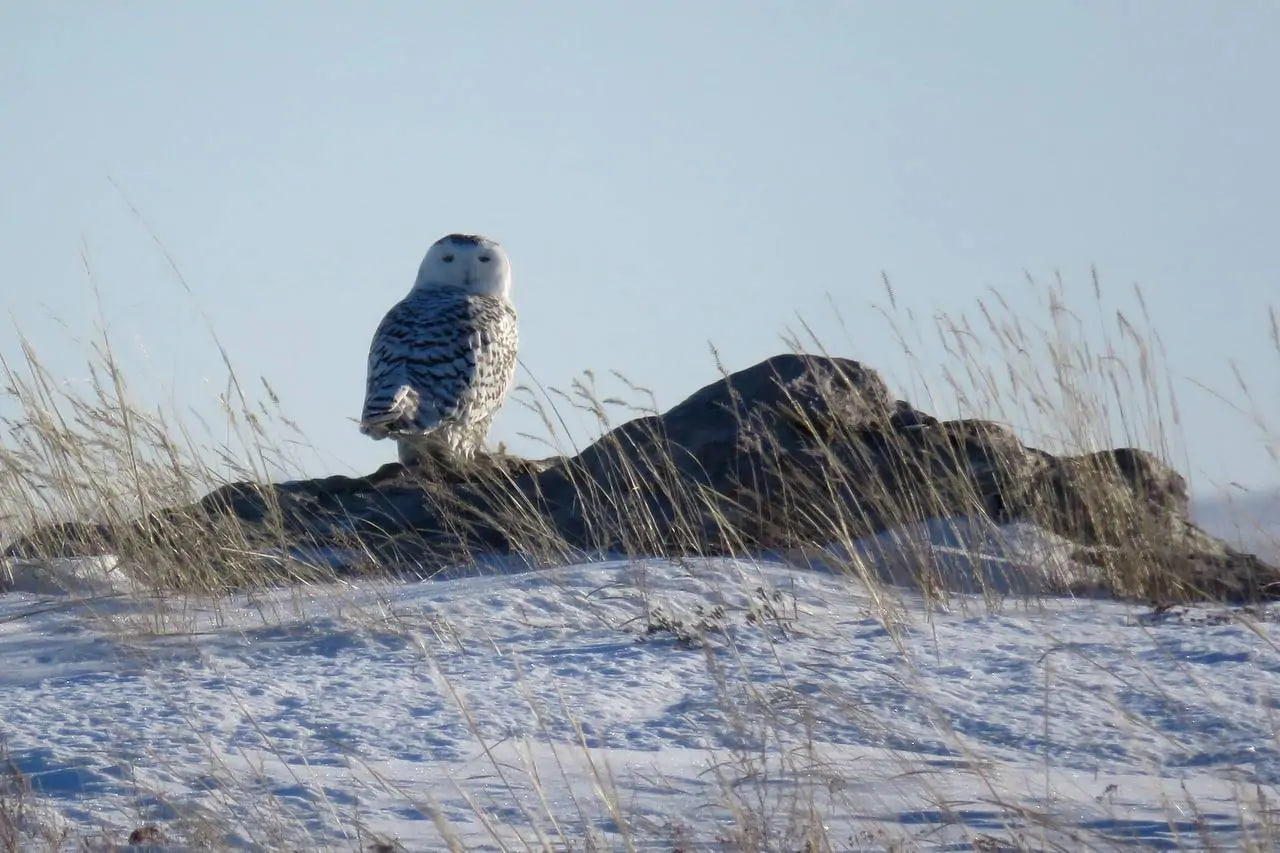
<point>647,704</point>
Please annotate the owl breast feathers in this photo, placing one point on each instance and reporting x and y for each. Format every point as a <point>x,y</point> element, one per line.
<point>440,366</point>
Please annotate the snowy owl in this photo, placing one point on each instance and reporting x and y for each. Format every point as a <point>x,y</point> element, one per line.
<point>443,358</point>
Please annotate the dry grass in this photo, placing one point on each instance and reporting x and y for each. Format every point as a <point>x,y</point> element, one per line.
<point>95,458</point>
<point>124,474</point>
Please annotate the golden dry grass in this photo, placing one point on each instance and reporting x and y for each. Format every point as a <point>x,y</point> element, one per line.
<point>96,458</point>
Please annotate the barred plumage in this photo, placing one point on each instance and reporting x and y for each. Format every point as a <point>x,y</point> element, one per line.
<point>443,358</point>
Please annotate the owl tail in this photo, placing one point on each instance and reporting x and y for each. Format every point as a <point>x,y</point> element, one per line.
<point>401,412</point>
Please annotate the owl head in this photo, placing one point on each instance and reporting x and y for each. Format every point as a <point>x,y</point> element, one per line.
<point>473,263</point>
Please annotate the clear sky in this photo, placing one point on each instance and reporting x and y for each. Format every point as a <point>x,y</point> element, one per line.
<point>663,174</point>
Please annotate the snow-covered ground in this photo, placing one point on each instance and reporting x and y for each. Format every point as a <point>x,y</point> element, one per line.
<point>638,705</point>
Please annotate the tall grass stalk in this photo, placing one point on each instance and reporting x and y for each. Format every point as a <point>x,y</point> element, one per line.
<point>134,476</point>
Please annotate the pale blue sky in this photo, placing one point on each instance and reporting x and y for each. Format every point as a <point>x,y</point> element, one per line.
<point>663,174</point>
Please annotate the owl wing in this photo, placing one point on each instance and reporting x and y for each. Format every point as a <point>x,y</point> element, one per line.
<point>435,357</point>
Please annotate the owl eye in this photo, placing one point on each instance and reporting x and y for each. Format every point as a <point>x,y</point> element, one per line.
<point>484,259</point>
<point>448,259</point>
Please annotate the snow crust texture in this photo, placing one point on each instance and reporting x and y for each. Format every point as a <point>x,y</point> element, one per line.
<point>654,705</point>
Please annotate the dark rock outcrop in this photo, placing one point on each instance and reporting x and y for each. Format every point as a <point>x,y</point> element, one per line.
<point>795,451</point>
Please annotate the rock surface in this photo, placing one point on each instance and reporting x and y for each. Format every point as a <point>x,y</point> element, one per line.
<point>795,451</point>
